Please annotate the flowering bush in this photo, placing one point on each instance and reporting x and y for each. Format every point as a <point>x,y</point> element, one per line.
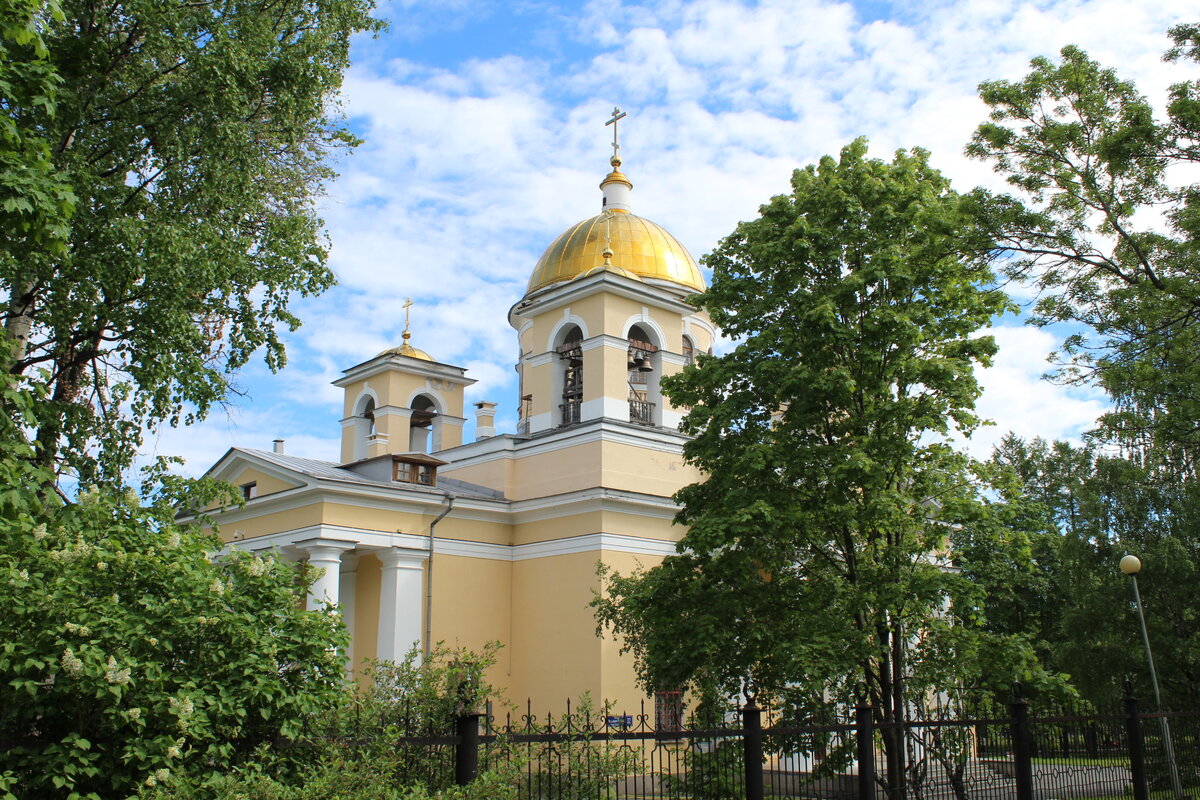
<point>128,654</point>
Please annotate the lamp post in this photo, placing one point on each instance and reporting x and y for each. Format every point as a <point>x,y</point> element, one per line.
<point>1131,565</point>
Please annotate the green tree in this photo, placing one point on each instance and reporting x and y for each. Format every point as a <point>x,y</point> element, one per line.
<point>815,546</point>
<point>193,136</point>
<point>1105,230</point>
<point>35,200</point>
<point>1078,511</point>
<point>128,654</point>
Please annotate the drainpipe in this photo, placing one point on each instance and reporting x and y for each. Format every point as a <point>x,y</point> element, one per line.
<point>429,580</point>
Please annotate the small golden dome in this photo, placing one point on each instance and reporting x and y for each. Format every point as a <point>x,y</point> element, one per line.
<point>639,247</point>
<point>406,349</point>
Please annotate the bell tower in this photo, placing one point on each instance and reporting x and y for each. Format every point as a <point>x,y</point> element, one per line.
<point>401,401</point>
<point>605,316</point>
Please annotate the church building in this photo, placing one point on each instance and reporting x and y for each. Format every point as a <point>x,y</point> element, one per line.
<point>421,537</point>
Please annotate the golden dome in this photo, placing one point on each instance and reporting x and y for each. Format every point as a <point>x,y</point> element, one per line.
<point>639,246</point>
<point>406,349</point>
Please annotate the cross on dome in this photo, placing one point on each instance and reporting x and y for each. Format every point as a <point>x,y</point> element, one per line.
<point>408,303</point>
<point>617,115</point>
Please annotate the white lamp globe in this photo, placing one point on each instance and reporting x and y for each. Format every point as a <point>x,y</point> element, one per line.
<point>1131,565</point>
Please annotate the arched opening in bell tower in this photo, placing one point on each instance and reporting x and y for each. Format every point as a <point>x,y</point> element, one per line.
<point>423,425</point>
<point>569,375</point>
<point>363,426</point>
<point>645,366</point>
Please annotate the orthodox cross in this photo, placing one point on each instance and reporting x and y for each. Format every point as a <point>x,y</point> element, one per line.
<point>407,305</point>
<point>617,114</point>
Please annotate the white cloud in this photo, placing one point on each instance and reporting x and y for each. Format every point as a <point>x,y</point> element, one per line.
<point>470,169</point>
<point>1018,399</point>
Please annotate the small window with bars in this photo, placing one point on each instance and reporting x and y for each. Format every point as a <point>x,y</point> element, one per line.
<point>668,711</point>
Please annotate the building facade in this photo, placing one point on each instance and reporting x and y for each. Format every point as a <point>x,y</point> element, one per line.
<point>421,537</point>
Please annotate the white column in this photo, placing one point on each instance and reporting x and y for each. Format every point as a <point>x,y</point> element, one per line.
<point>348,594</point>
<point>325,560</point>
<point>401,577</point>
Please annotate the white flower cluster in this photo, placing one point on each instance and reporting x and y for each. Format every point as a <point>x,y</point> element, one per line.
<point>184,709</point>
<point>78,630</point>
<point>256,566</point>
<point>159,776</point>
<point>217,587</point>
<point>115,676</point>
<point>39,532</point>
<point>71,663</point>
<point>173,539</point>
<point>185,706</point>
<point>79,549</point>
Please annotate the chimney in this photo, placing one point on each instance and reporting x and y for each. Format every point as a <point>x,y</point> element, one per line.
<point>485,420</point>
<point>278,446</point>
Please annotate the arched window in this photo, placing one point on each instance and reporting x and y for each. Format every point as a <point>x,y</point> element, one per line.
<point>570,357</point>
<point>643,377</point>
<point>364,426</point>
<point>689,350</point>
<point>420,424</point>
<point>369,415</point>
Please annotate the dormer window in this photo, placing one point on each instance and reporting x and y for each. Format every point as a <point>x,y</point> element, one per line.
<point>424,474</point>
<point>415,468</point>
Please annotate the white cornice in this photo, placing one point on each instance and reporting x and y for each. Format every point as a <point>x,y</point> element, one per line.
<point>660,296</point>
<point>288,543</point>
<point>405,365</point>
<point>540,359</point>
<point>601,430</point>
<point>584,501</point>
<point>605,340</point>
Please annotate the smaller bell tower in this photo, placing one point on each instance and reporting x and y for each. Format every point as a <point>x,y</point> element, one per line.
<point>401,402</point>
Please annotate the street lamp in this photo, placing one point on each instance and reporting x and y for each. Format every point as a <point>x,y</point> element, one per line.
<point>1131,565</point>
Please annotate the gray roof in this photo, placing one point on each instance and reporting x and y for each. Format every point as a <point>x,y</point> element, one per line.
<point>325,470</point>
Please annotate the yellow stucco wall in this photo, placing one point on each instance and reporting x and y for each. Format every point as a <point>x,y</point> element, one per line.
<point>366,610</point>
<point>611,465</point>
<point>555,654</point>
<point>248,526</point>
<point>266,484</point>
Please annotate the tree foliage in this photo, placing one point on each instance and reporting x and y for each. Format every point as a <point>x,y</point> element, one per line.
<point>815,547</point>
<point>1077,511</point>
<point>193,137</point>
<point>35,199</point>
<point>127,654</point>
<point>1106,229</point>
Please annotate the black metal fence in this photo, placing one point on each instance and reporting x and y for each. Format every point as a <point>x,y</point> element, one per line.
<point>1018,752</point>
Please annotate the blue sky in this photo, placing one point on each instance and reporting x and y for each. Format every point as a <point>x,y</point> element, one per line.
<point>484,138</point>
